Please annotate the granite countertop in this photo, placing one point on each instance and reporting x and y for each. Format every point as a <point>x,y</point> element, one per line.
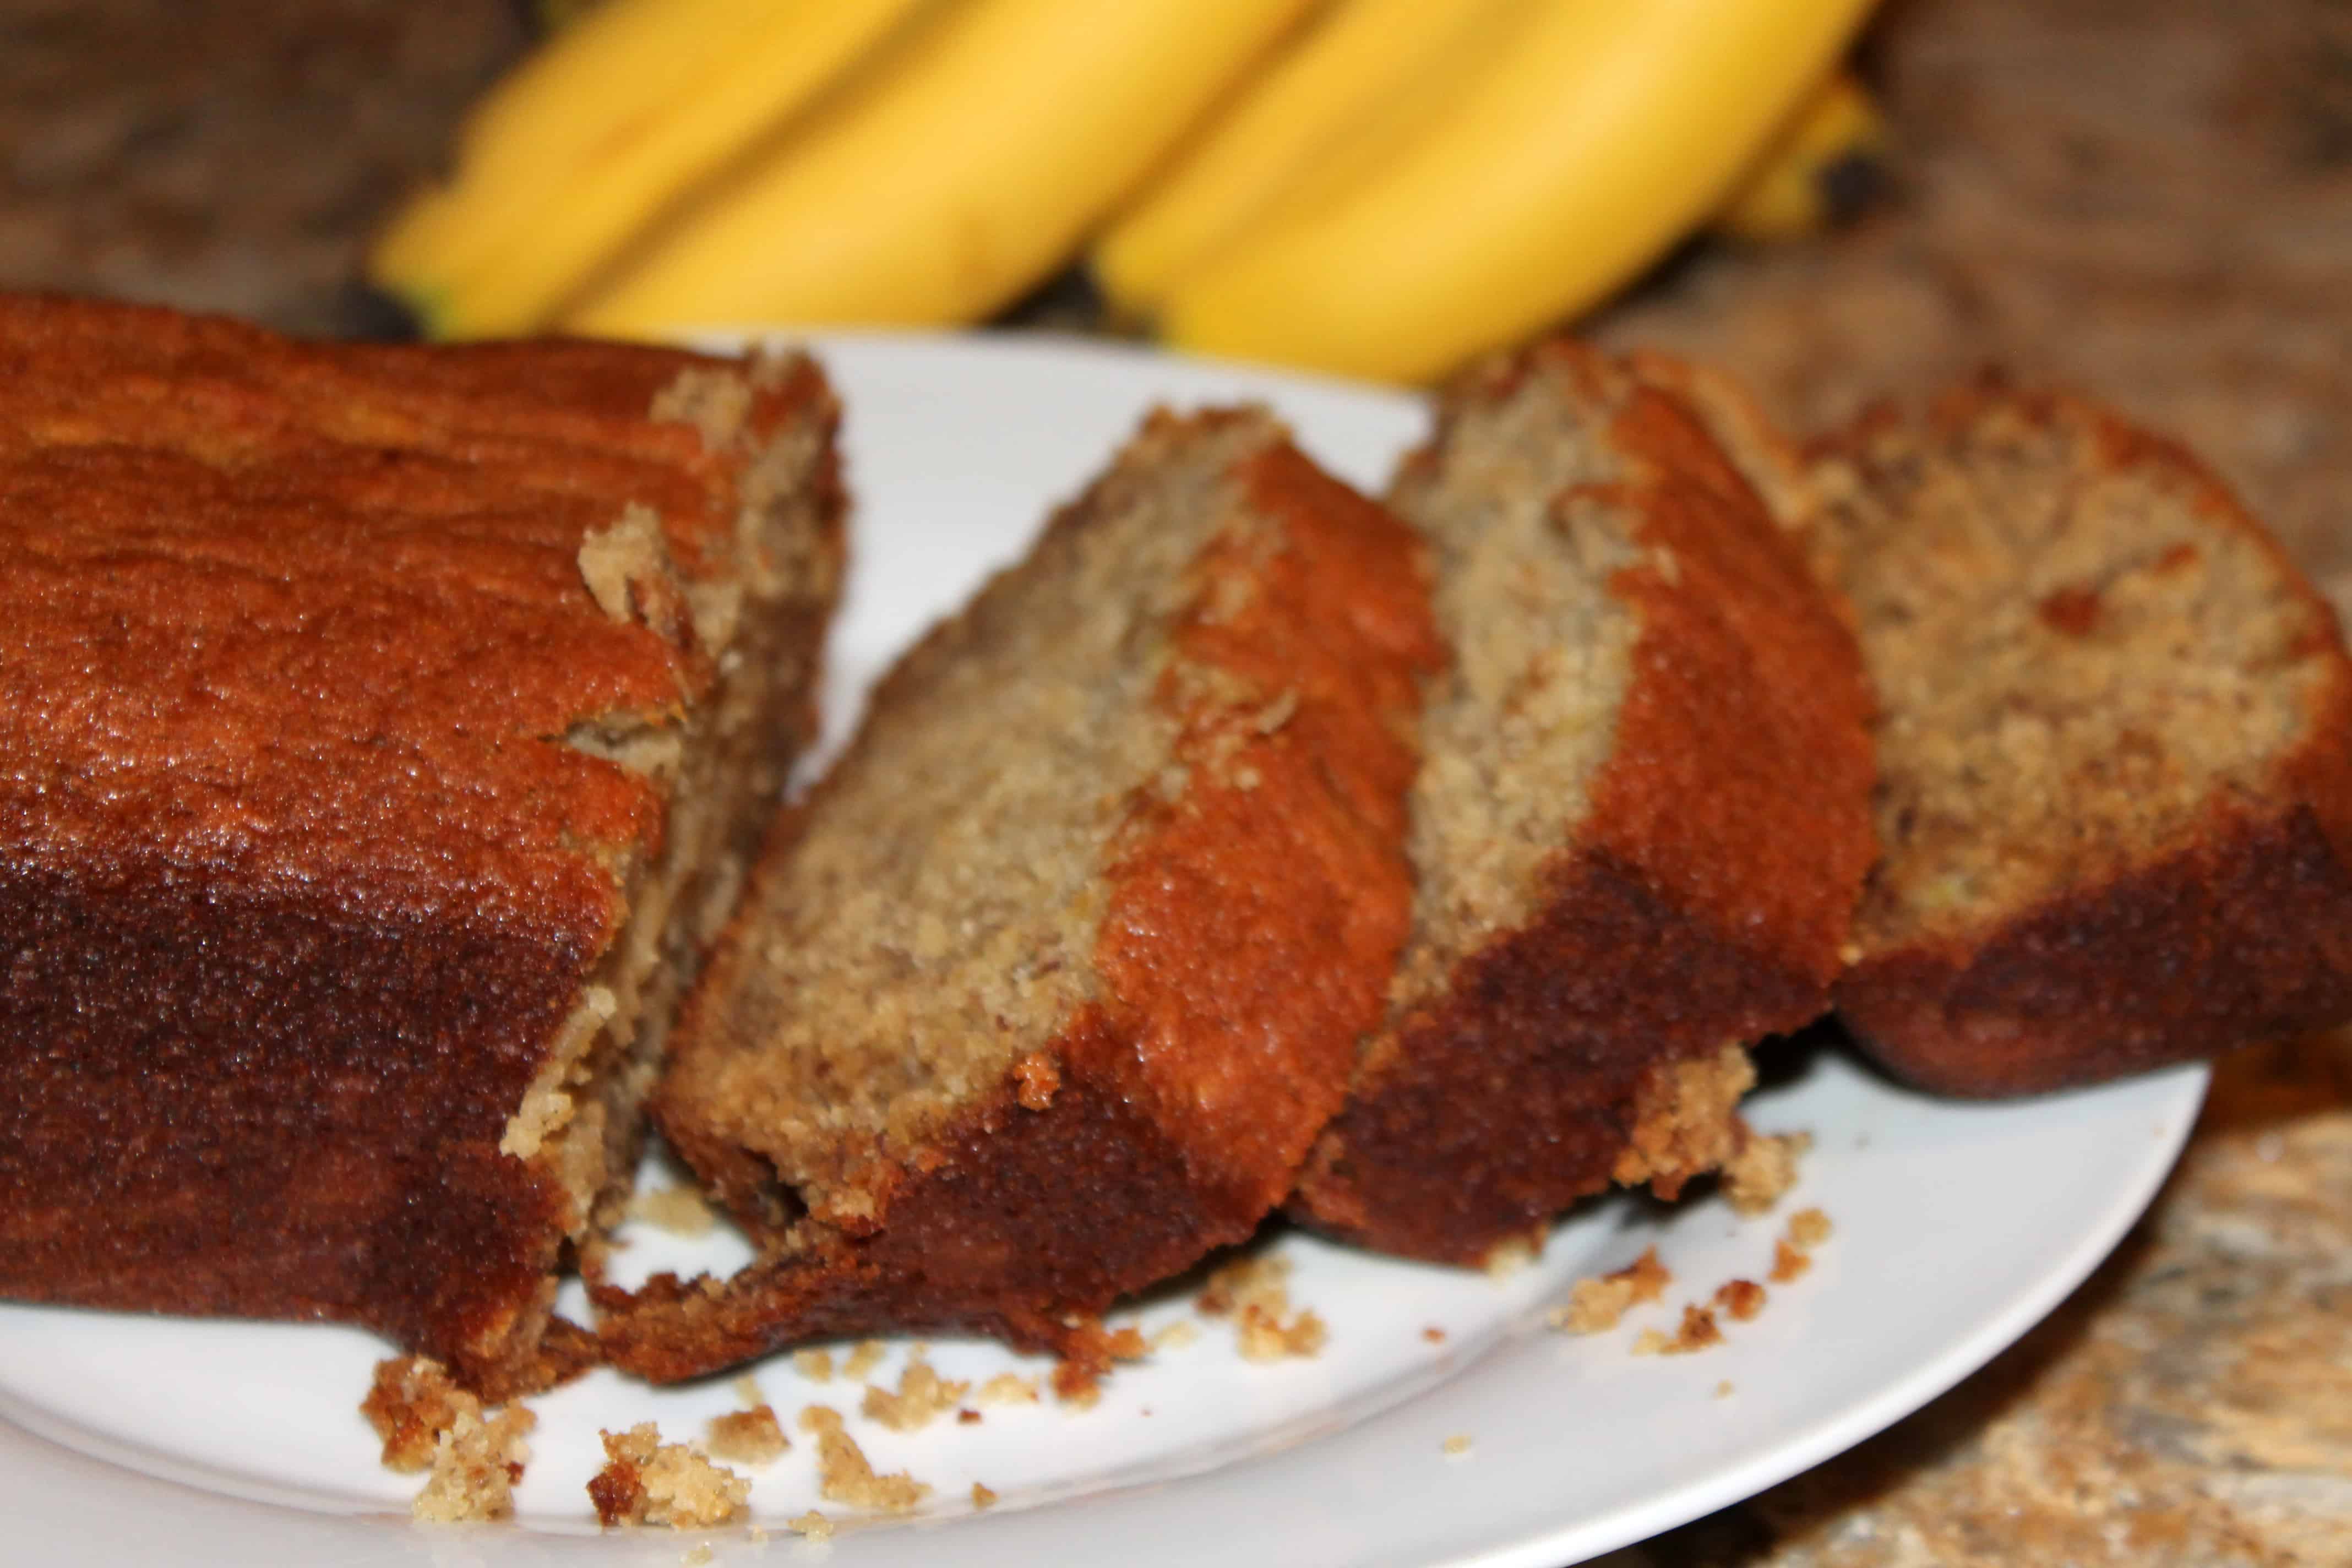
<point>2151,199</point>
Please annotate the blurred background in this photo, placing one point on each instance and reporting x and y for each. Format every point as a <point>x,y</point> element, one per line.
<point>2149,199</point>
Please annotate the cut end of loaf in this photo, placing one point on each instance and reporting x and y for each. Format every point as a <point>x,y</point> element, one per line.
<point>2115,746</point>
<point>2081,647</point>
<point>1640,823</point>
<point>1015,1022</point>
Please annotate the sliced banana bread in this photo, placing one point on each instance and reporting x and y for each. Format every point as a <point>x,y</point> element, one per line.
<point>1047,987</point>
<point>2116,751</point>
<point>385,730</point>
<point>1640,824</point>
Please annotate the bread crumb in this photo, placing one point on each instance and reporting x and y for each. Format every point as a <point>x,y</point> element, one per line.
<point>1763,1170</point>
<point>1509,1256</point>
<point>1698,1331</point>
<point>1723,1390</point>
<point>1788,1263</point>
<point>697,1557</point>
<point>1009,1388</point>
<point>813,1524</point>
<point>1039,1079</point>
<point>865,1358</point>
<point>410,1404</point>
<point>922,1397</point>
<point>981,1497</point>
<point>1255,1291</point>
<point>967,1417</point>
<point>716,402</point>
<point>747,1391</point>
<point>1433,1334</point>
<point>1175,1336</point>
<point>626,570</point>
<point>1077,1380</point>
<point>1808,1229</point>
<point>647,1481</point>
<point>843,1474</point>
<point>678,1210</point>
<point>1594,1306</point>
<point>476,1463</point>
<point>814,1365</point>
<point>1457,1445</point>
<point>1743,1299</point>
<point>752,1437</point>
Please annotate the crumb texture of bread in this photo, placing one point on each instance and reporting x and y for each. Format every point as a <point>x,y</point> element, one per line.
<point>752,1437</point>
<point>1640,825</point>
<point>1595,1305</point>
<point>355,892</point>
<point>410,1402</point>
<point>1049,985</point>
<point>921,1397</point>
<point>2115,743</point>
<point>846,1476</point>
<point>1255,1291</point>
<point>647,1481</point>
<point>427,1423</point>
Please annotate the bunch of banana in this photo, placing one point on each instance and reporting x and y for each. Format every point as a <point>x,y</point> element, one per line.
<point>1379,187</point>
<point>663,162</point>
<point>1532,156</point>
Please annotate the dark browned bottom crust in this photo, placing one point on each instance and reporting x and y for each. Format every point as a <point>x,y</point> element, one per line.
<point>963,1251</point>
<point>1524,1088</point>
<point>2246,936</point>
<point>345,1163</point>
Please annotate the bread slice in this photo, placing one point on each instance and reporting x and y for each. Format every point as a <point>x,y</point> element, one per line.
<point>386,728</point>
<point>1640,824</point>
<point>2116,751</point>
<point>1046,989</point>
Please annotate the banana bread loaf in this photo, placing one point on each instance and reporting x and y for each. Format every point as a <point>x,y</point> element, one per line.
<point>386,729</point>
<point>2116,751</point>
<point>1640,824</point>
<point>1046,988</point>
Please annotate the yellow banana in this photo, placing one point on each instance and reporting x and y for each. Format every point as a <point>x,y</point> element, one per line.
<point>609,123</point>
<point>1599,136</point>
<point>943,187</point>
<point>1310,107</point>
<point>1828,160</point>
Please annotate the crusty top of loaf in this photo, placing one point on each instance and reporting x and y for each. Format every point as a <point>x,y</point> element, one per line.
<point>2082,649</point>
<point>318,616</point>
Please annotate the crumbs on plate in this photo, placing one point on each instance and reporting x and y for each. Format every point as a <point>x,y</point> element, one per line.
<point>1594,1306</point>
<point>647,1481</point>
<point>844,1475</point>
<point>1255,1293</point>
<point>427,1423</point>
<point>921,1397</point>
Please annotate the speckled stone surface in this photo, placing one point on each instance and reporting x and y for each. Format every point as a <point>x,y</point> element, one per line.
<point>225,155</point>
<point>2149,199</point>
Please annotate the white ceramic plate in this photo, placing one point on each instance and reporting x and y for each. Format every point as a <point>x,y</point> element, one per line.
<point>127,1440</point>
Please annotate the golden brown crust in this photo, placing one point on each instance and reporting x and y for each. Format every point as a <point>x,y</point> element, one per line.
<point>2238,928</point>
<point>1169,1117</point>
<point>1702,901</point>
<point>299,876</point>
